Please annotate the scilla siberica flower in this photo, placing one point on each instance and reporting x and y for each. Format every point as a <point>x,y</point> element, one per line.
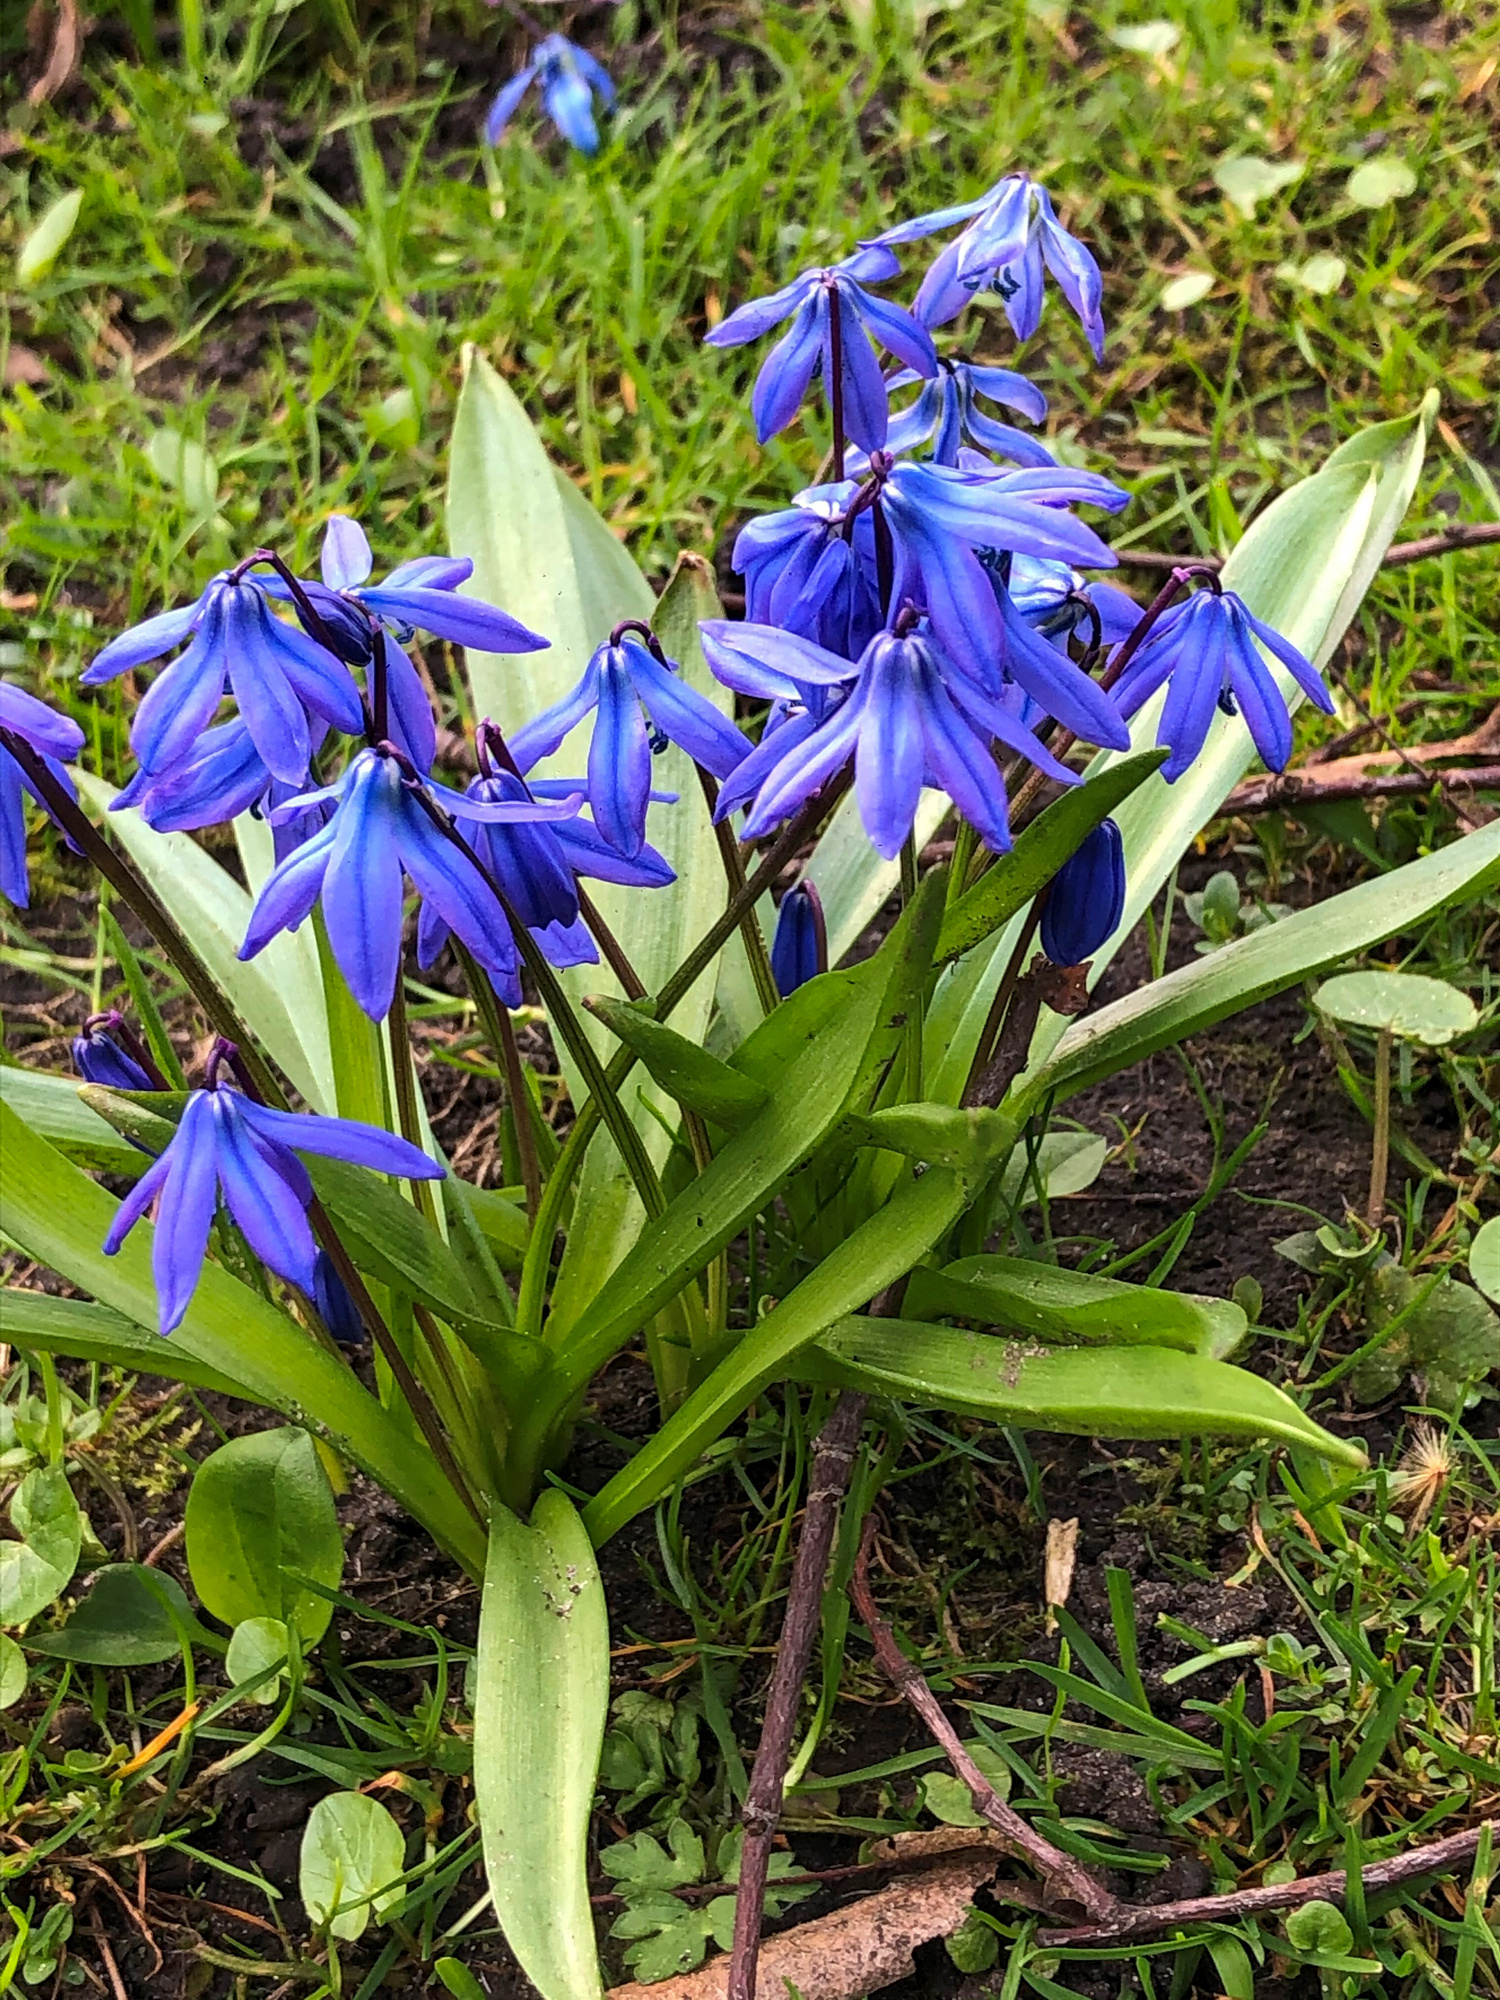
<point>53,737</point>
<point>537,864</point>
<point>808,346</point>
<point>947,415</point>
<point>801,573</point>
<point>624,683</point>
<point>569,78</point>
<point>221,776</point>
<point>1013,231</point>
<point>802,680</point>
<point>108,1052</point>
<point>1086,898</point>
<point>277,673</point>
<point>1204,648</point>
<point>911,720</point>
<point>380,828</point>
<point>228,1143</point>
<point>799,950</point>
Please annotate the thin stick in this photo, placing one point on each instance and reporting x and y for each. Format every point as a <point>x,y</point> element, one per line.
<point>1289,789</point>
<point>1380,1148</point>
<point>1064,1878</point>
<point>833,1462</point>
<point>734,875</point>
<point>1463,535</point>
<point>1132,1921</point>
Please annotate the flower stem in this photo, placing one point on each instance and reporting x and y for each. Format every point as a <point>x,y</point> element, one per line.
<point>408,1110</point>
<point>916,1021</point>
<point>502,1039</point>
<point>380,689</point>
<point>885,557</point>
<point>1380,1151</point>
<point>734,875</point>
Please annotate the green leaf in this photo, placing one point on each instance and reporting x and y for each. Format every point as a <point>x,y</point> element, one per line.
<point>51,1105</point>
<point>1406,1004</point>
<point>57,1215</point>
<point>968,1140</point>
<point>458,1979</point>
<point>1448,1342</point>
<point>1187,289</point>
<point>36,1570</point>
<point>132,1617</point>
<point>1040,851</point>
<point>88,1332</point>
<point>948,1798</point>
<point>1266,962</point>
<point>1064,1162</point>
<point>1380,181</point>
<point>353,1856</point>
<point>260,1515</point>
<point>46,237</point>
<point>255,1646</point>
<point>278,994</point>
<point>688,1074</point>
<point>1319,1927</point>
<point>1246,180</point>
<point>541,1684</point>
<point>12,1672</point>
<point>881,1250</point>
<point>1484,1259</point>
<point>974,1946</point>
<point>1125,1392</point>
<point>1070,1308</point>
<point>643,1863</point>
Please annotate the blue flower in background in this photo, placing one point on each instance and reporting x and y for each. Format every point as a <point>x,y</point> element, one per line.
<point>807,347</point>
<point>570,79</point>
<point>1086,898</point>
<point>1013,232</point>
<point>799,951</point>
<point>227,1143</point>
<point>380,828</point>
<point>99,1058</point>
<point>947,415</point>
<point>278,675</point>
<point>222,776</point>
<point>1054,600</point>
<point>911,720</point>
<point>53,737</point>
<point>625,683</point>
<point>803,574</point>
<point>1203,648</point>
<point>336,1308</point>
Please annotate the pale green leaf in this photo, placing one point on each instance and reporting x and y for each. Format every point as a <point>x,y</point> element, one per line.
<point>353,1855</point>
<point>1181,292</point>
<point>1246,180</point>
<point>1381,180</point>
<point>12,1672</point>
<point>1484,1259</point>
<point>260,1517</point>
<point>1409,1005</point>
<point>1147,38</point>
<point>255,1646</point>
<point>47,236</point>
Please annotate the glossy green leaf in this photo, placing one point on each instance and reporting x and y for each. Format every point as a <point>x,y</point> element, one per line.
<point>1407,1004</point>
<point>1484,1259</point>
<point>1125,1392</point>
<point>36,1569</point>
<point>255,1646</point>
<point>1070,1308</point>
<point>502,1221</point>
<point>881,1250</point>
<point>51,1105</point>
<point>131,1617</point>
<point>353,1856</point>
<point>1063,1162</point>
<point>688,1074</point>
<point>971,1141</point>
<point>1040,851</point>
<point>1265,962</point>
<point>260,1517</point>
<point>541,1695</point>
<point>60,1217</point>
<point>89,1332</point>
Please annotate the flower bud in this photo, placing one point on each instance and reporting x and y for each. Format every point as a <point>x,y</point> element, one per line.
<point>1086,899</point>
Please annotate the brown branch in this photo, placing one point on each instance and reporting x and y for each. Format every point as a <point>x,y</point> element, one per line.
<point>1138,1921</point>
<point>833,1462</point>
<point>1462,535</point>
<point>1065,1880</point>
<point>1310,787</point>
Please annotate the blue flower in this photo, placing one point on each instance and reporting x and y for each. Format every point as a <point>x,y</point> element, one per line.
<point>1055,600</point>
<point>911,720</point>
<point>1013,231</point>
<point>1086,898</point>
<point>221,777</point>
<point>947,414</point>
<point>277,673</point>
<point>99,1058</point>
<point>227,1143</point>
<point>625,683</point>
<point>799,951</point>
<point>421,595</point>
<point>1204,648</point>
<point>336,1308</point>
<point>380,828</point>
<point>803,680</point>
<point>53,737</point>
<point>537,864</point>
<point>570,78</point>
<point>803,574</point>
<point>808,346</point>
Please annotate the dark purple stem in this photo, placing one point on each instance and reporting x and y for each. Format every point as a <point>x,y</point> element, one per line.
<point>885,557</point>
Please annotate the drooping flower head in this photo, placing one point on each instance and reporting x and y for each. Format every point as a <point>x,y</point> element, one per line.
<point>570,79</point>
<point>1013,232</point>
<point>1203,648</point>
<point>946,415</point>
<point>109,1052</point>
<point>279,677</point>
<point>383,827</point>
<point>633,691</point>
<point>227,1144</point>
<point>799,950</point>
<point>810,302</point>
<point>221,776</point>
<point>802,573</point>
<point>52,737</point>
<point>1086,897</point>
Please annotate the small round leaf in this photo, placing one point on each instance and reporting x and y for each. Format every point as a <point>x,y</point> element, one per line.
<point>260,1516</point>
<point>1321,1928</point>
<point>1187,290</point>
<point>1380,181</point>
<point>255,1644</point>
<point>12,1672</point>
<point>1407,1004</point>
<point>1484,1259</point>
<point>39,251</point>
<point>353,1855</point>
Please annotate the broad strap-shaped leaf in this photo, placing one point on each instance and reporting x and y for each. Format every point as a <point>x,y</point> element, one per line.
<point>970,1141</point>
<point>278,994</point>
<point>853,881</point>
<point>1265,962</point>
<point>88,1332</point>
<point>57,1215</point>
<point>52,1106</point>
<point>541,1696</point>
<point>1072,1309</point>
<point>688,1074</point>
<point>1124,1392</point>
<point>883,1249</point>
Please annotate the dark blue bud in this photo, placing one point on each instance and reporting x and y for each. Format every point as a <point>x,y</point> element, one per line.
<point>800,950</point>
<point>336,1308</point>
<point>98,1058</point>
<point>1087,898</point>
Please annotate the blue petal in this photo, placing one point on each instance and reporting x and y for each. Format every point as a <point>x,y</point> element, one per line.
<point>866,407</point>
<point>939,218</point>
<point>1076,272</point>
<point>545,732</point>
<point>1301,669</point>
<point>464,620</point>
<point>179,704</point>
<point>1063,689</point>
<point>341,1139</point>
<point>504,107</point>
<point>271,711</point>
<point>566,944</point>
<point>223,777</point>
<point>684,715</point>
<point>788,368</point>
<point>895,328</point>
<point>1193,692</point>
<point>362,886</point>
<point>1005,385</point>
<point>44,729</point>
<point>959,760</point>
<point>15,884</point>
<point>99,1059</point>
<point>185,1213</point>
<point>619,761</point>
<point>346,559</point>
<point>595,74</point>
<point>413,724</point>
<point>799,950</point>
<point>430,573</point>
<point>769,663</point>
<point>1086,899</point>
<point>290,891</point>
<point>447,878</point>
<point>999,236</point>
<point>588,853</point>
<point>806,768</point>
<point>143,642</point>
<point>570,106</point>
<point>1007,442</point>
<point>940,297</point>
<point>274,1222</point>
<point>137,1201</point>
<point>779,740</point>
<point>945,577</point>
<point>1259,700</point>
<point>888,763</point>
<point>757,316</point>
